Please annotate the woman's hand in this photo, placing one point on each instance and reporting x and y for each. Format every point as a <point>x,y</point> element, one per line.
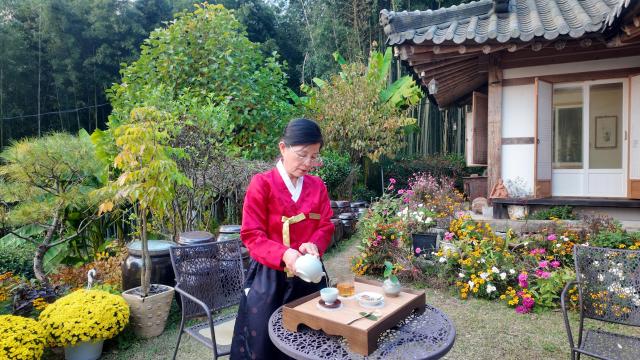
<point>289,258</point>
<point>309,248</point>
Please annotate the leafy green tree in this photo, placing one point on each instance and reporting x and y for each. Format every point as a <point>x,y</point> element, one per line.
<point>204,57</point>
<point>148,173</point>
<point>47,178</point>
<point>360,114</point>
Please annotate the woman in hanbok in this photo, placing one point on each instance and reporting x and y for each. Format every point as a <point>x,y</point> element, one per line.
<point>286,214</point>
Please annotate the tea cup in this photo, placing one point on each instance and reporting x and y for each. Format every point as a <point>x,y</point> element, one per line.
<point>329,295</point>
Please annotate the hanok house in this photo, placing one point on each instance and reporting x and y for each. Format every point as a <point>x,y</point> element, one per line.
<point>554,88</point>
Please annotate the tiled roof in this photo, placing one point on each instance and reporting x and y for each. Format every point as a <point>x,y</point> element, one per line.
<point>478,22</point>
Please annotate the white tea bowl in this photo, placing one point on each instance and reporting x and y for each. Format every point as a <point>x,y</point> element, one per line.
<point>329,295</point>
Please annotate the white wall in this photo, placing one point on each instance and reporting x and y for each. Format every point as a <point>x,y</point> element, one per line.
<point>518,120</point>
<point>634,148</point>
<point>569,68</point>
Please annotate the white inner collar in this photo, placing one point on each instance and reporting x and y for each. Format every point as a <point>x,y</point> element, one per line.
<point>296,190</point>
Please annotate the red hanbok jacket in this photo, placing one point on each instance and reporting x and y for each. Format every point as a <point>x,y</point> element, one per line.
<point>267,200</point>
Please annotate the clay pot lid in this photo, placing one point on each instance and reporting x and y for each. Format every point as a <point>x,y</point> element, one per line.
<point>195,237</point>
<point>342,203</point>
<point>156,247</point>
<point>229,229</point>
<point>347,216</point>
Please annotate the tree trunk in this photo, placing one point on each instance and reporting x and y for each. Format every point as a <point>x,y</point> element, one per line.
<point>38,263</point>
<point>145,281</point>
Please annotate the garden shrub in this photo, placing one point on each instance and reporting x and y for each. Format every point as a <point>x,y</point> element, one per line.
<point>438,165</point>
<point>21,338</point>
<point>554,213</point>
<point>618,239</point>
<point>17,259</point>
<point>107,266</point>
<point>335,169</point>
<point>437,194</point>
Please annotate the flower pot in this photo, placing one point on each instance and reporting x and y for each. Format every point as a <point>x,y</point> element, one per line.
<point>426,242</point>
<point>149,314</point>
<point>84,350</point>
<point>391,288</point>
<point>517,212</point>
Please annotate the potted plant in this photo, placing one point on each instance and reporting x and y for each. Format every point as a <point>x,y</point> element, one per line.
<point>148,177</point>
<point>82,320</point>
<point>21,338</point>
<point>391,285</point>
<point>519,189</point>
<point>420,221</point>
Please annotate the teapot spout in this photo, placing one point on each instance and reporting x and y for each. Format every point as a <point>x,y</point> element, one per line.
<point>319,278</point>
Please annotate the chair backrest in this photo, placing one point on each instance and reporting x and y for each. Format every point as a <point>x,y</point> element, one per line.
<point>609,283</point>
<point>211,272</point>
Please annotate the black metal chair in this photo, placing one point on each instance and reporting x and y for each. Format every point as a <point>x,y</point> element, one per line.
<point>210,280</point>
<point>608,283</point>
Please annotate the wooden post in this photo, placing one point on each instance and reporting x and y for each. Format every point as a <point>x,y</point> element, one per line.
<point>494,122</point>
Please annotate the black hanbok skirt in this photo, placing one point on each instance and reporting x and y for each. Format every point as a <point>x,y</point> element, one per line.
<point>269,289</point>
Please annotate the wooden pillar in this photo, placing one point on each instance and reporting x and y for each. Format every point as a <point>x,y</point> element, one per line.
<point>494,124</point>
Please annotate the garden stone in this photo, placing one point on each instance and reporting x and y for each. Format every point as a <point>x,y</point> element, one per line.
<point>478,204</point>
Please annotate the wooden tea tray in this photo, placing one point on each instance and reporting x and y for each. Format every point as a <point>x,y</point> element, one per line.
<point>362,335</point>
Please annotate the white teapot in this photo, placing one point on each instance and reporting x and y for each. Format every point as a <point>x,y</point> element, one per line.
<point>309,268</point>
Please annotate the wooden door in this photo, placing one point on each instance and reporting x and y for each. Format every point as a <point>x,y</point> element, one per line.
<point>543,138</point>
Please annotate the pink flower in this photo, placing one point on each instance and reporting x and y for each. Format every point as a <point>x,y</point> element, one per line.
<point>538,251</point>
<point>543,274</point>
<point>459,214</point>
<point>552,237</point>
<point>448,236</point>
<point>543,264</point>
<point>376,243</point>
<point>400,191</point>
<point>418,250</point>
<point>521,309</point>
<point>528,302</point>
<point>392,180</point>
<point>555,264</point>
<point>522,280</point>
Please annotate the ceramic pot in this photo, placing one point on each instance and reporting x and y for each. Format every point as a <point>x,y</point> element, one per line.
<point>149,314</point>
<point>426,242</point>
<point>517,212</point>
<point>161,269</point>
<point>84,350</point>
<point>391,288</point>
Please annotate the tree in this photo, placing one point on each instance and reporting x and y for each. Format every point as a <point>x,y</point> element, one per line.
<point>148,173</point>
<point>360,114</point>
<point>204,57</point>
<point>47,178</point>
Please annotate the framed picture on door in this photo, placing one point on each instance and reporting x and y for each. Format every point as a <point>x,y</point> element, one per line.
<point>606,131</point>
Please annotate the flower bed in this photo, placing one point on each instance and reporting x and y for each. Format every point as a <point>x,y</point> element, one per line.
<point>21,338</point>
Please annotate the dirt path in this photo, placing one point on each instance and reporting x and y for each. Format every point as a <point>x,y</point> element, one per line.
<point>339,261</point>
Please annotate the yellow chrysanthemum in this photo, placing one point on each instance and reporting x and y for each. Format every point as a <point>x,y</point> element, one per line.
<point>21,338</point>
<point>84,315</point>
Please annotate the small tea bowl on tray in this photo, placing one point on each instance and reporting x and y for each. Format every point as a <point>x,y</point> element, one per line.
<point>370,299</point>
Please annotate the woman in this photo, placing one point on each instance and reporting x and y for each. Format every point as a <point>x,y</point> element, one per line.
<point>286,214</point>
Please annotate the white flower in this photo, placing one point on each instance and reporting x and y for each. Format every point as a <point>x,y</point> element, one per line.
<point>600,277</point>
<point>511,271</point>
<point>482,260</point>
<point>503,276</point>
<point>442,259</point>
<point>558,245</point>
<point>420,205</point>
<point>484,275</point>
<point>460,275</point>
<point>564,238</point>
<point>471,284</point>
<point>490,288</point>
<point>429,219</point>
<point>495,270</point>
